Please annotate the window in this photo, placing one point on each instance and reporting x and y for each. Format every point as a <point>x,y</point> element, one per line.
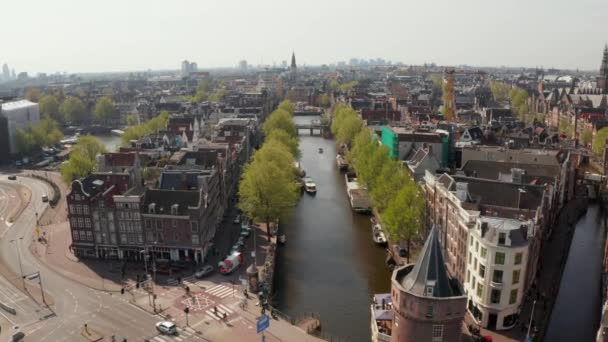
<point>85,209</point>
<point>429,311</point>
<point>123,238</point>
<point>499,259</point>
<point>502,237</point>
<point>90,235</point>
<point>484,251</point>
<point>475,263</point>
<point>437,332</point>
<point>471,240</point>
<point>194,227</point>
<point>479,290</point>
<point>497,276</point>
<point>470,257</point>
<point>468,276</point>
<point>516,274</point>
<point>495,296</point>
<point>482,271</point>
<point>72,209</point>
<point>80,222</point>
<point>87,222</point>
<point>513,296</point>
<point>476,246</point>
<point>74,235</point>
<point>473,282</point>
<point>195,240</point>
<point>73,222</point>
<point>518,257</point>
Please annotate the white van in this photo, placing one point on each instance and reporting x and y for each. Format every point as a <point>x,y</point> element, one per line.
<point>45,198</point>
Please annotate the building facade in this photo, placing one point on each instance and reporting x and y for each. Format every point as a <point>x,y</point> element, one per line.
<point>18,115</point>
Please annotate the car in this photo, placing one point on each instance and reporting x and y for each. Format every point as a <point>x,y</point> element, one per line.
<point>204,271</point>
<point>241,241</point>
<point>237,219</point>
<point>245,224</point>
<point>166,328</point>
<point>245,233</point>
<point>12,177</point>
<point>45,198</point>
<point>235,248</point>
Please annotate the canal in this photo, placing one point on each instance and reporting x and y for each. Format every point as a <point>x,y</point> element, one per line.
<point>577,309</point>
<point>329,265</point>
<point>111,142</point>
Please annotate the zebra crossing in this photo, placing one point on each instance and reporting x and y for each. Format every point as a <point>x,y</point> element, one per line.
<point>183,335</point>
<point>221,310</point>
<point>220,291</point>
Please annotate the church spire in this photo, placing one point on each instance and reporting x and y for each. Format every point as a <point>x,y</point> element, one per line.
<point>293,60</point>
<point>604,67</point>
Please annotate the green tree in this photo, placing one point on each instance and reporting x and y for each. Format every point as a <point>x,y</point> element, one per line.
<point>350,126</point>
<point>82,159</point>
<point>218,96</point>
<point>47,132</point>
<point>600,141</point>
<point>104,109</point>
<point>287,106</point>
<point>153,125</point>
<point>500,91</point>
<point>289,141</point>
<point>266,191</point>
<point>565,127</point>
<point>72,110</point>
<point>391,178</point>
<point>403,218</point>
<point>25,141</point>
<point>324,100</point>
<point>132,120</point>
<point>348,87</point>
<point>334,85</point>
<point>49,105</point>
<point>519,102</point>
<point>586,137</point>
<point>280,119</point>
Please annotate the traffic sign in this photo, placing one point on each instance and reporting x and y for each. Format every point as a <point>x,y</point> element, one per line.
<point>263,323</point>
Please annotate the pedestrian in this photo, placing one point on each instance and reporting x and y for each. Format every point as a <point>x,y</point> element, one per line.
<point>215,310</point>
<point>225,317</point>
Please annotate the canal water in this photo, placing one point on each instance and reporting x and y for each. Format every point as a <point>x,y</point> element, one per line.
<point>111,142</point>
<point>577,310</point>
<point>329,265</point>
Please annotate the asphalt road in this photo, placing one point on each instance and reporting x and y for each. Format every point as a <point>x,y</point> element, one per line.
<point>75,304</point>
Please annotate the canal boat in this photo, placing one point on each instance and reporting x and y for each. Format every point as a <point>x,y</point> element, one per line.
<point>341,161</point>
<point>378,234</point>
<point>310,186</point>
<point>117,132</point>
<point>357,195</point>
<point>320,150</point>
<point>382,317</point>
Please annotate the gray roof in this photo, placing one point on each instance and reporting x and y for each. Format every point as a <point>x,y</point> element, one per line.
<point>430,271</point>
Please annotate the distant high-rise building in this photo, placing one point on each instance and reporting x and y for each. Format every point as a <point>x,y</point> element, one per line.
<point>13,74</point>
<point>188,67</point>
<point>293,61</point>
<point>243,64</point>
<point>6,74</point>
<point>602,80</point>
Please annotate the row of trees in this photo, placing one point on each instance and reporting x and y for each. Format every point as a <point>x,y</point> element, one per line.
<point>394,193</point>
<point>82,158</point>
<point>269,188</point>
<point>72,109</point>
<point>33,138</point>
<point>153,125</point>
<point>203,93</point>
<point>517,97</point>
<point>344,87</point>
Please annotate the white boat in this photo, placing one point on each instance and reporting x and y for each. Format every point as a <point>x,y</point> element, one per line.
<point>341,161</point>
<point>117,132</point>
<point>378,235</point>
<point>309,185</point>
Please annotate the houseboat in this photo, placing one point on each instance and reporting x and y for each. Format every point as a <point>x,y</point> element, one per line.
<point>378,234</point>
<point>382,318</point>
<point>341,161</point>
<point>357,195</point>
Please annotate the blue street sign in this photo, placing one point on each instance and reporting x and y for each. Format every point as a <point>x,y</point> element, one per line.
<point>263,323</point>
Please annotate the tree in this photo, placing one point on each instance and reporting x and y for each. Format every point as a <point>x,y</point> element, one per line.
<point>287,106</point>
<point>391,178</point>
<point>82,159</point>
<point>49,105</point>
<point>500,91</point>
<point>519,102</point>
<point>350,126</point>
<point>324,100</point>
<point>280,119</point>
<point>600,141</point>
<point>33,94</point>
<point>25,141</point>
<point>284,138</point>
<point>132,120</point>
<point>218,96</point>
<point>565,127</point>
<point>153,125</point>
<point>586,137</point>
<point>403,218</point>
<point>334,85</point>
<point>104,109</point>
<point>266,191</point>
<point>348,87</point>
<point>34,137</point>
<point>72,109</point>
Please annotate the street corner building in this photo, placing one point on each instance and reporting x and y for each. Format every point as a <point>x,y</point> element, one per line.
<point>427,304</point>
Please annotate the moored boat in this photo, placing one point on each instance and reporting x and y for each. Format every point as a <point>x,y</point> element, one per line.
<point>341,161</point>
<point>309,185</point>
<point>357,195</point>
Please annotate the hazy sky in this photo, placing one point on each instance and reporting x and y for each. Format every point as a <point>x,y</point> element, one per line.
<point>113,35</point>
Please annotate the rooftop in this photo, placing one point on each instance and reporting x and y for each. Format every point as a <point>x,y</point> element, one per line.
<point>17,104</point>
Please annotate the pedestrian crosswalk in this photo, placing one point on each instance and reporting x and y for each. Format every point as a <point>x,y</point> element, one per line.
<point>220,291</point>
<point>217,312</point>
<point>186,334</point>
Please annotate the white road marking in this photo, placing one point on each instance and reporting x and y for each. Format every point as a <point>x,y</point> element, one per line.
<point>220,291</point>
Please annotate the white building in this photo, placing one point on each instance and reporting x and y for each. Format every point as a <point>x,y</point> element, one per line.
<point>496,268</point>
<point>19,114</point>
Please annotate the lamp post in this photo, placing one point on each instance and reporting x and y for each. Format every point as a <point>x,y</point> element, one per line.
<point>19,258</point>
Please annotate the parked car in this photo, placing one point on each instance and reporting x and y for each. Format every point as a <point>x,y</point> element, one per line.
<point>245,224</point>
<point>45,198</point>
<point>166,328</point>
<point>12,177</point>
<point>237,219</point>
<point>245,232</point>
<point>204,271</point>
<point>241,241</point>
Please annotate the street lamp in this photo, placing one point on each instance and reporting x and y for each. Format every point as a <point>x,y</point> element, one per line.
<point>19,258</point>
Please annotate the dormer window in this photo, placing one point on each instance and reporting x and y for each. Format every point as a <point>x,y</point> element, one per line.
<point>174,209</point>
<point>152,208</point>
<point>502,238</point>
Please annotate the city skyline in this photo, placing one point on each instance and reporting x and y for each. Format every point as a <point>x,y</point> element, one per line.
<point>146,35</point>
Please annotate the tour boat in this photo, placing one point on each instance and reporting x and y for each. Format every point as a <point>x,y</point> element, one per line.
<point>309,185</point>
